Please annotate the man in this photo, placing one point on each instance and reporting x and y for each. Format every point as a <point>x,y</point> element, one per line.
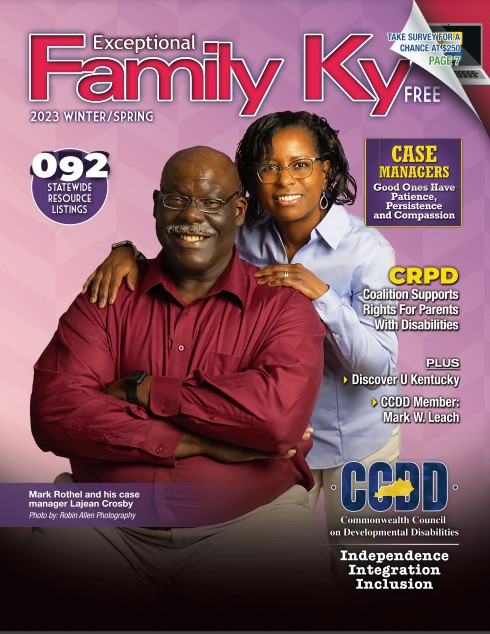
<point>226,375</point>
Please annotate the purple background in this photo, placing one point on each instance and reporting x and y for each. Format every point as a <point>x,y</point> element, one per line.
<point>44,264</point>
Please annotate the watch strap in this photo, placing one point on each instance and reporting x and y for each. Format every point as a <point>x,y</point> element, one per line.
<point>132,393</point>
<point>134,378</point>
<point>124,243</point>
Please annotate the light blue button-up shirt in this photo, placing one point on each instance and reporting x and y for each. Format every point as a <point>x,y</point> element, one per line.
<point>349,257</point>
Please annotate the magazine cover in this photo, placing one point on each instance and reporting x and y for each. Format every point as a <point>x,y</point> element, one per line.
<point>159,437</point>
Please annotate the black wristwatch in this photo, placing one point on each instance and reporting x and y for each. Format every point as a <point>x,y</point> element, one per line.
<point>134,378</point>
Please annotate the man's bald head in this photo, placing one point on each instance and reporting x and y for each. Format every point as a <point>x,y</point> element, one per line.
<point>201,160</point>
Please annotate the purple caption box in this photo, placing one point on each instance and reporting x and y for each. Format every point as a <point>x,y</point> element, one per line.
<point>413,183</point>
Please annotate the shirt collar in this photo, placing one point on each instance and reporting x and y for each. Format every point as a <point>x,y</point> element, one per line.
<point>232,280</point>
<point>333,227</point>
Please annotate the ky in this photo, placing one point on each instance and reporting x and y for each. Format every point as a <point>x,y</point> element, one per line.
<point>316,64</point>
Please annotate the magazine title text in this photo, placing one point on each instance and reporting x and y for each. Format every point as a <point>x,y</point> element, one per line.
<point>102,79</point>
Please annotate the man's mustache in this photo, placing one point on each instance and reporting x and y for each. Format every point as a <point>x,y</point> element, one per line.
<point>193,230</point>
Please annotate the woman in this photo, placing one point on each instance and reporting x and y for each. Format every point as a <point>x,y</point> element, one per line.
<point>294,170</point>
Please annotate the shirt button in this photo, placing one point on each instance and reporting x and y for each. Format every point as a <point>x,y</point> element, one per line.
<point>158,450</point>
<point>336,336</point>
<point>187,312</point>
<point>321,305</point>
<point>180,348</point>
<point>107,437</point>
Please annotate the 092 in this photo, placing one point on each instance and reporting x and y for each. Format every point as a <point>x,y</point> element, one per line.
<point>68,167</point>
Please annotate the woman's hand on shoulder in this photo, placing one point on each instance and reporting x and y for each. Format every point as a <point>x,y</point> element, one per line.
<point>295,276</point>
<point>103,284</point>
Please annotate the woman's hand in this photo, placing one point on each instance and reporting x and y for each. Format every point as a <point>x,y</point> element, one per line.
<point>295,276</point>
<point>105,281</point>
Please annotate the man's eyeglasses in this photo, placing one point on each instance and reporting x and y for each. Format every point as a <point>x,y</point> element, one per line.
<point>206,205</point>
<point>300,168</point>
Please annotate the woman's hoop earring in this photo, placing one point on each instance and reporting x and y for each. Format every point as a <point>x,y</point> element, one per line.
<point>323,201</point>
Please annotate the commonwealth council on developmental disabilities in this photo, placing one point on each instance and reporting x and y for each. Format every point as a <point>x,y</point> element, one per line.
<point>412,531</point>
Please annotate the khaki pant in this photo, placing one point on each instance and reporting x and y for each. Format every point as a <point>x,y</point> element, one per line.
<point>260,568</point>
<point>329,481</point>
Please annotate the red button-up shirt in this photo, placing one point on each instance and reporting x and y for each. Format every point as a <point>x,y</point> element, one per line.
<point>242,364</point>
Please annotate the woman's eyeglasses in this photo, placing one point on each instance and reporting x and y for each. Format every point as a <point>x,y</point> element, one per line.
<point>300,168</point>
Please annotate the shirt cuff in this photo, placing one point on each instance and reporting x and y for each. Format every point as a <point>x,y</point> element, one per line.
<point>327,307</point>
<point>162,442</point>
<point>165,396</point>
<point>329,302</point>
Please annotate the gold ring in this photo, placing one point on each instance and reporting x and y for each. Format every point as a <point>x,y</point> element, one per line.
<point>286,274</point>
